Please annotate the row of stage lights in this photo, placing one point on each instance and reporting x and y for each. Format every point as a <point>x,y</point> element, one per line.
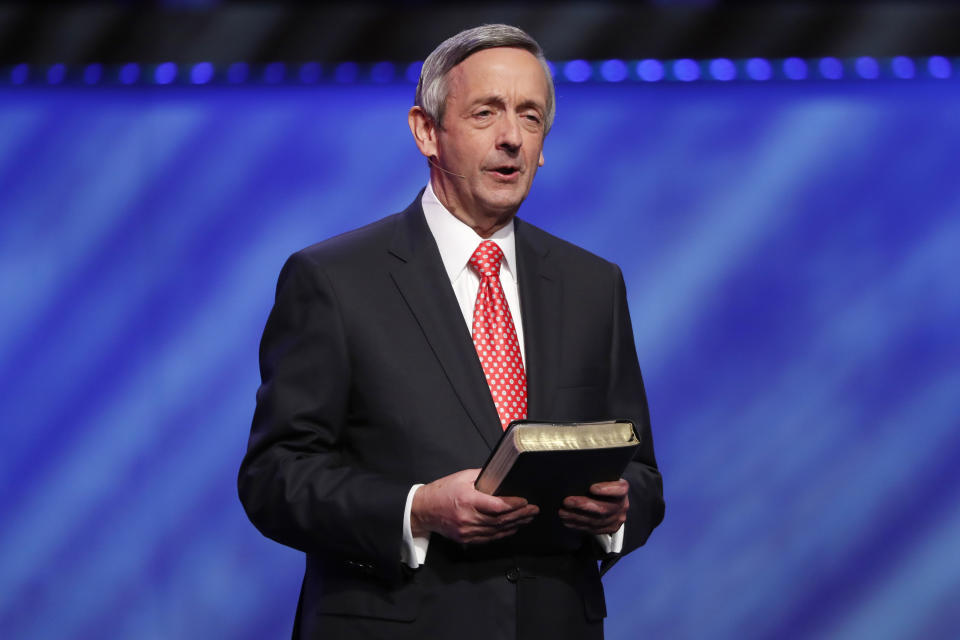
<point>650,70</point>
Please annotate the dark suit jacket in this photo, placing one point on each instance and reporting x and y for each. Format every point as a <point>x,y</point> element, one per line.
<point>371,384</point>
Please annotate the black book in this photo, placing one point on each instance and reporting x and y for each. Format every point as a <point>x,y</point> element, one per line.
<point>546,462</point>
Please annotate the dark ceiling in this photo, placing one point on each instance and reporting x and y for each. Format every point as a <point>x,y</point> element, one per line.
<point>221,32</point>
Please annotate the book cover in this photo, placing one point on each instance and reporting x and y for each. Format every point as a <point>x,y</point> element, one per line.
<point>546,462</point>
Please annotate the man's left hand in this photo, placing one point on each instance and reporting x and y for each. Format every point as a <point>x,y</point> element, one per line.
<point>603,511</point>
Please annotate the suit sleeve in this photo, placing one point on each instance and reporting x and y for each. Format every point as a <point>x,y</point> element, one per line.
<point>296,482</point>
<point>628,398</point>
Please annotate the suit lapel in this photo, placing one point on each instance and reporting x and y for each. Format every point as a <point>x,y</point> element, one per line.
<point>424,285</point>
<point>540,296</point>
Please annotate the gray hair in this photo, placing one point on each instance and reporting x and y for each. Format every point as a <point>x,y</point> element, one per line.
<point>432,88</point>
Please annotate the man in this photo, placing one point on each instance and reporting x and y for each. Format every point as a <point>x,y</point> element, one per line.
<point>395,355</point>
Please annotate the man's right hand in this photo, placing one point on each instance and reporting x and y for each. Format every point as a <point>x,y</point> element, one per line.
<point>452,507</point>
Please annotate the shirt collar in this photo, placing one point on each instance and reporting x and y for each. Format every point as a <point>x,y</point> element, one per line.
<point>457,241</point>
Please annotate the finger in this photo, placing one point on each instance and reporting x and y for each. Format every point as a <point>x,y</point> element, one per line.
<point>593,524</point>
<point>570,517</point>
<point>518,522</point>
<point>506,519</point>
<point>589,505</point>
<point>501,521</point>
<point>506,533</point>
<point>594,511</point>
<point>592,530</point>
<point>524,515</point>
<point>486,535</point>
<point>594,527</point>
<point>485,531</point>
<point>528,511</point>
<point>495,505</point>
<point>513,501</point>
<point>610,489</point>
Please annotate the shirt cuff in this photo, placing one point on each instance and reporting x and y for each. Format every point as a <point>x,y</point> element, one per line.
<point>413,552</point>
<point>611,542</point>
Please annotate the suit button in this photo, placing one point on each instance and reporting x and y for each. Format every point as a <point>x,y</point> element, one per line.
<point>513,574</point>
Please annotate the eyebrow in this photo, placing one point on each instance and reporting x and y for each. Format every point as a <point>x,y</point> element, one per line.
<point>499,99</point>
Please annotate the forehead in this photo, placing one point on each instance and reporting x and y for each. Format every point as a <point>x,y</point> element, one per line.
<point>502,71</point>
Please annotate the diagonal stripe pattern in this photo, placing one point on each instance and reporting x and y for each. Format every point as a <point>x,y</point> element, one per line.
<point>495,337</point>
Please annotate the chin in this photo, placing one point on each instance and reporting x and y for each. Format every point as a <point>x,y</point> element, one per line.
<point>501,207</point>
<point>505,200</point>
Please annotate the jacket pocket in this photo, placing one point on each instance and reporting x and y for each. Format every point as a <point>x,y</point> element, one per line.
<point>347,591</point>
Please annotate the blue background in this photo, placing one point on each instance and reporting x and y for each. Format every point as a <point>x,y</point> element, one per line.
<point>791,255</point>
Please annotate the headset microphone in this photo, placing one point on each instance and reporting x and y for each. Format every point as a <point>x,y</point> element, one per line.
<point>431,161</point>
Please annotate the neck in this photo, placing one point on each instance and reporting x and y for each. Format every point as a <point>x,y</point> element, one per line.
<point>483,224</point>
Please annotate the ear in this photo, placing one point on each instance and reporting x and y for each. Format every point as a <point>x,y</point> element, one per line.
<point>540,163</point>
<point>424,131</point>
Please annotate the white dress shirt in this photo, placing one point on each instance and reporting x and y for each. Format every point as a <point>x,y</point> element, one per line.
<point>457,242</point>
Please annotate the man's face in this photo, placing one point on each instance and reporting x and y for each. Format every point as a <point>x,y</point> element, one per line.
<point>492,133</point>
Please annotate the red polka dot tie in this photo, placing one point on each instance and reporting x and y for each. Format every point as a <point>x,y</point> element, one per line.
<point>495,337</point>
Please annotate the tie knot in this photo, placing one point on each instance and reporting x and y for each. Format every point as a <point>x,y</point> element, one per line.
<point>486,259</point>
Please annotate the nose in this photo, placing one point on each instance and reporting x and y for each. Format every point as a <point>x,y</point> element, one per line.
<point>509,137</point>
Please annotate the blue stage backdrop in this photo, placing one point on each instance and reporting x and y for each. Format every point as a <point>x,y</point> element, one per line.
<point>791,251</point>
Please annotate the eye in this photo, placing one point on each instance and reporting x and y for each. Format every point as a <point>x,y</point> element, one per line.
<point>483,113</point>
<point>532,118</point>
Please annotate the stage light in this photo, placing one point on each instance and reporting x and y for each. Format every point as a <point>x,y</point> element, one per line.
<point>867,68</point>
<point>686,70</point>
<point>346,72</point>
<point>614,70</point>
<point>759,69</point>
<point>413,71</point>
<point>577,71</point>
<point>201,73</point>
<point>939,67</point>
<point>309,72</point>
<point>650,70</point>
<point>92,73</point>
<point>238,72</point>
<point>795,68</point>
<point>165,73</point>
<point>19,74</point>
<point>383,72</point>
<point>274,72</point>
<point>831,68</point>
<point>903,67</point>
<point>56,73</point>
<point>129,73</point>
<point>723,69</point>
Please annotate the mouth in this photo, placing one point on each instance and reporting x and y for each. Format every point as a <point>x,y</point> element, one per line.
<point>506,171</point>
